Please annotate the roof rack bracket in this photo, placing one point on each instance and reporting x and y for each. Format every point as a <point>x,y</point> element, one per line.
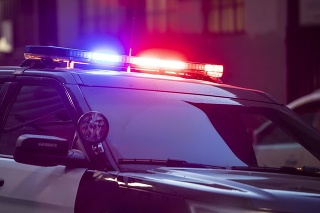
<point>20,70</point>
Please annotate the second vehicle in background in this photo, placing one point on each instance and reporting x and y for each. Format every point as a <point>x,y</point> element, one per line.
<point>308,107</point>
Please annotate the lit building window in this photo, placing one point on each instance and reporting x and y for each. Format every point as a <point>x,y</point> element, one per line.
<point>101,16</point>
<point>226,16</point>
<point>194,16</point>
<point>161,15</point>
<point>164,16</point>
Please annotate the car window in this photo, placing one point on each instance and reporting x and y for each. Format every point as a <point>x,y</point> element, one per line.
<point>36,110</point>
<point>1,84</point>
<point>275,146</point>
<point>310,112</point>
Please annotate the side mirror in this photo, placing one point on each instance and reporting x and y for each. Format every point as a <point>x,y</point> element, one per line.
<point>43,150</point>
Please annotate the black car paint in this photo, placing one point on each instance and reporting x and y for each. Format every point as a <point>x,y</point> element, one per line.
<point>101,192</point>
<point>174,189</point>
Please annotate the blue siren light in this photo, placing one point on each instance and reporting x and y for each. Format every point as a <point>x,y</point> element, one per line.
<point>165,66</point>
<point>100,58</point>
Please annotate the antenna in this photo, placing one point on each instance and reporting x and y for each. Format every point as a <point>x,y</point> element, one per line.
<point>130,48</point>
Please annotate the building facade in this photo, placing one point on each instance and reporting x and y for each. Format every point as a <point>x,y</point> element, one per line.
<point>256,40</point>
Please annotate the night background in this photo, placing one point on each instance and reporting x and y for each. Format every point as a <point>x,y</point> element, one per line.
<point>269,45</point>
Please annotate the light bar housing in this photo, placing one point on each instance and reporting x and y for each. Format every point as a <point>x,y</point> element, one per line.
<point>144,64</point>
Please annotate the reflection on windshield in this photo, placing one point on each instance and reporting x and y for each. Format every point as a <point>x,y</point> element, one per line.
<point>198,129</point>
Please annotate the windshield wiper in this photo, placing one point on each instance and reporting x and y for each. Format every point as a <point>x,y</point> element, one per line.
<point>306,170</point>
<point>168,163</point>
<point>312,169</point>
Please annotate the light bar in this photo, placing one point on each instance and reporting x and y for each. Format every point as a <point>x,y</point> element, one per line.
<point>73,56</point>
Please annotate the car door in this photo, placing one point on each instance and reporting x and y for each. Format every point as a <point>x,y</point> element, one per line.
<point>35,109</point>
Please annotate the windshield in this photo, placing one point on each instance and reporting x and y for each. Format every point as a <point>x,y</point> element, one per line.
<point>201,129</point>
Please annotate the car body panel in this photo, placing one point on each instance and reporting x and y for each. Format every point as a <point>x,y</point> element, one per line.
<point>235,189</point>
<point>26,187</point>
<point>170,84</point>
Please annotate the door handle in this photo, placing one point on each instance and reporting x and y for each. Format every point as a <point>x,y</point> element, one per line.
<point>1,182</point>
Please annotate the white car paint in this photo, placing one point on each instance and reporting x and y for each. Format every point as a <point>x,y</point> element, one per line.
<point>35,189</point>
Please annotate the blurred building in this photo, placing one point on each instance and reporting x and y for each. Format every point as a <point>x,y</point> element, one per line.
<point>25,22</point>
<point>267,45</point>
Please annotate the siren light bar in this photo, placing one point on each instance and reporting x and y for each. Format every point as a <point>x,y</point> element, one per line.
<point>72,56</point>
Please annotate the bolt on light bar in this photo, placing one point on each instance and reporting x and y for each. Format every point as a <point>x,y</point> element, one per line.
<point>72,56</point>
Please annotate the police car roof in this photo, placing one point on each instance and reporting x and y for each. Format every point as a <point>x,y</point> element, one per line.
<point>143,81</point>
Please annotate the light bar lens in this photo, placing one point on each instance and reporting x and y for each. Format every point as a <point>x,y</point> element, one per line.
<point>140,63</point>
<point>57,53</point>
<point>99,57</point>
<point>214,71</point>
<point>158,64</point>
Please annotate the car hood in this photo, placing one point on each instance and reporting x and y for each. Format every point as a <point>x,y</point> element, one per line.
<point>242,189</point>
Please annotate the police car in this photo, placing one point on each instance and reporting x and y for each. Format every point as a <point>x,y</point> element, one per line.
<point>93,132</point>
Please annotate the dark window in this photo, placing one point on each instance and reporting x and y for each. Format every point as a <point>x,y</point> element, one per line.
<point>36,110</point>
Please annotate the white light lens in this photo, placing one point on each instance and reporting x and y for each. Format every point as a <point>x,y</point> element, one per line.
<point>214,70</point>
